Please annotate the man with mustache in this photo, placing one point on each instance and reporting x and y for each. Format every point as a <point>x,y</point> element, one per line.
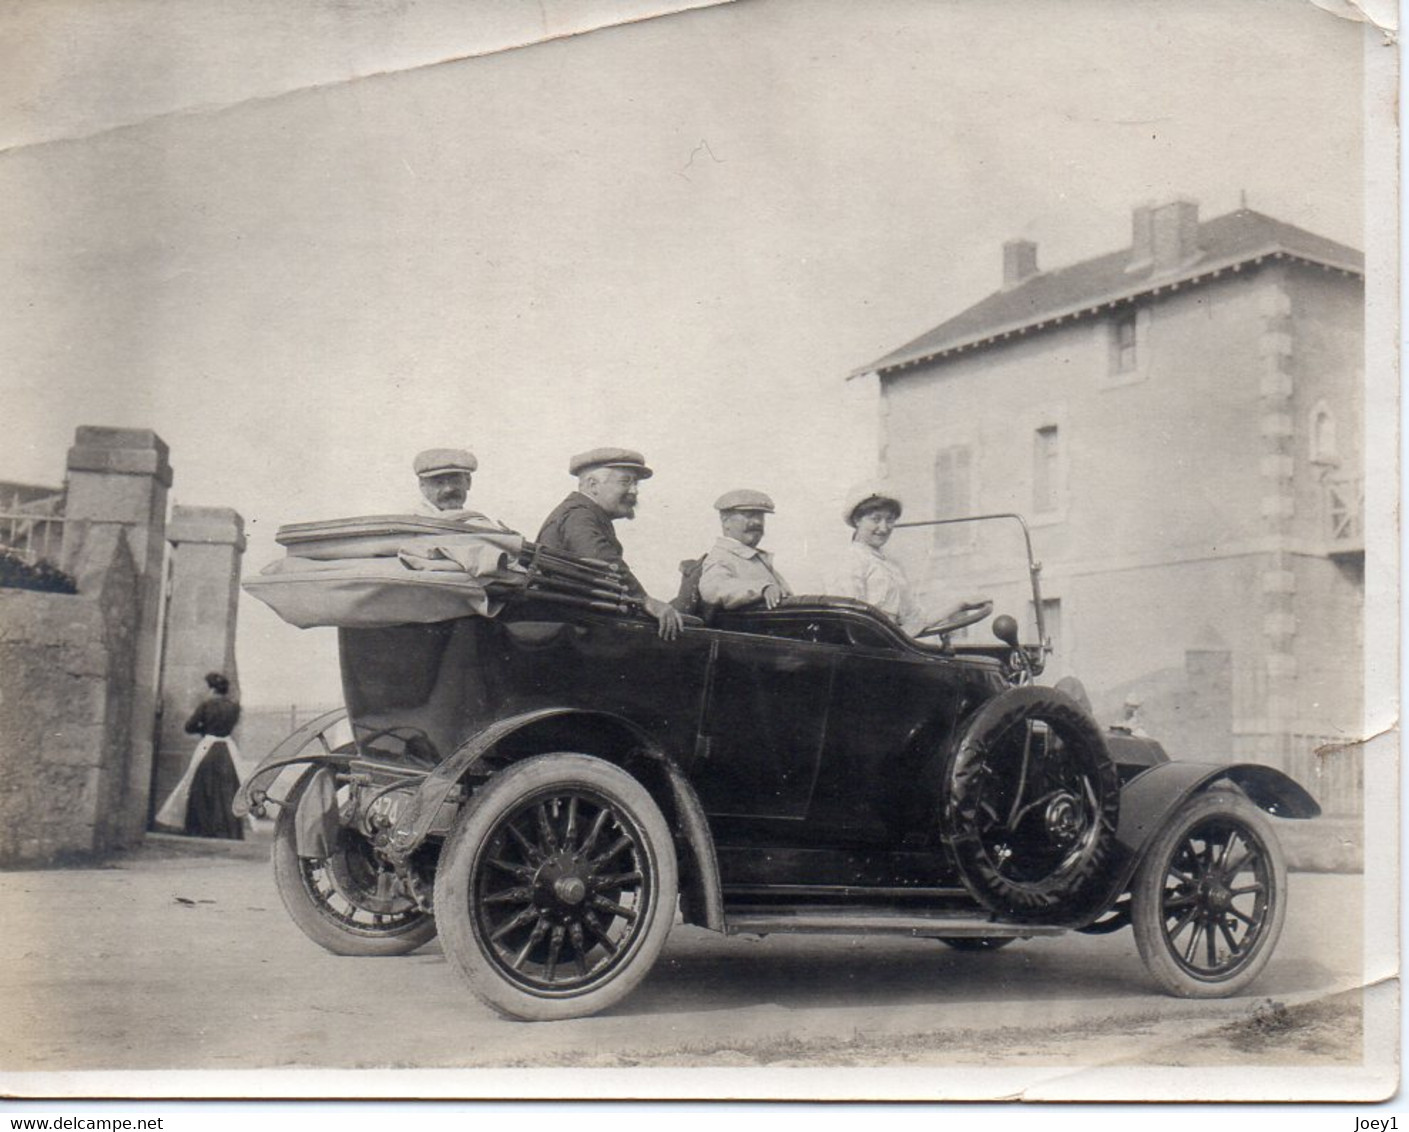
<point>736,573</point>
<point>445,475</point>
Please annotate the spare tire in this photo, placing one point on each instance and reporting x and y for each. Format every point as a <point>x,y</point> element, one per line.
<point>1030,804</point>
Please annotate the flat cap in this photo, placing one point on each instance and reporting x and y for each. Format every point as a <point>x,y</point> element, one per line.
<point>438,461</point>
<point>744,500</point>
<point>869,493</point>
<point>610,458</point>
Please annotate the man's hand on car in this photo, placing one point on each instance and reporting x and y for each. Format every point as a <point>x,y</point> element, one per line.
<point>772,595</point>
<point>667,617</point>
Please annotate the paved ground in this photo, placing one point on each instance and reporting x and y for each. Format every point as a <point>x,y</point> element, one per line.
<point>179,957</point>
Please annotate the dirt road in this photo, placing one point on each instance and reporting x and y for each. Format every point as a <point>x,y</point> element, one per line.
<point>177,959</point>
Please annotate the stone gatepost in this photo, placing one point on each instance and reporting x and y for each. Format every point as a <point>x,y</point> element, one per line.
<point>199,631</point>
<point>118,480</point>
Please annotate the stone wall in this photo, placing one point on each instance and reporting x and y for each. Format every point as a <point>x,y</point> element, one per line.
<point>67,665</point>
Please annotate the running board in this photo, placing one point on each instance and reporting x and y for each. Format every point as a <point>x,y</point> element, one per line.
<point>877,921</point>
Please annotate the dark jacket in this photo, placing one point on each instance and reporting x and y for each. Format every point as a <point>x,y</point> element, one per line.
<point>579,526</point>
<point>216,716</point>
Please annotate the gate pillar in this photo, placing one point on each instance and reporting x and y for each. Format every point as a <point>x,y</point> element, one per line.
<point>118,480</point>
<point>199,631</point>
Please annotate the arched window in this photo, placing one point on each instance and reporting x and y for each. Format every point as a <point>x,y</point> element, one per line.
<point>1321,434</point>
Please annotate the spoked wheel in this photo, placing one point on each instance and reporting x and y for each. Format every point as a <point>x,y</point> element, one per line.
<point>347,900</point>
<point>1031,804</point>
<point>977,942</point>
<point>556,890</point>
<point>1208,903</point>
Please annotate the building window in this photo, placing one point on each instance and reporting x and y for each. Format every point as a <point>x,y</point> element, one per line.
<point>1128,342</point>
<point>1322,435</point>
<point>953,496</point>
<point>1046,470</point>
<point>1124,353</point>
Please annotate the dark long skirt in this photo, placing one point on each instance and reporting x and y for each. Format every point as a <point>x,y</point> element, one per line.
<point>209,813</point>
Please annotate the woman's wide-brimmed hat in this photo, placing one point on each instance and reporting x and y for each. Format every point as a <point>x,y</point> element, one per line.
<point>868,496</point>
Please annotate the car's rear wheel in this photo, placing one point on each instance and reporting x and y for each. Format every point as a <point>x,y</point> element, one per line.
<point>1031,803</point>
<point>557,888</point>
<point>1208,901</point>
<point>347,901</point>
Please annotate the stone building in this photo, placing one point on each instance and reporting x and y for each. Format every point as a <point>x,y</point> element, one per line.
<point>1180,423</point>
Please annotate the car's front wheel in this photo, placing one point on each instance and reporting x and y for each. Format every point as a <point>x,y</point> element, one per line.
<point>556,889</point>
<point>1208,901</point>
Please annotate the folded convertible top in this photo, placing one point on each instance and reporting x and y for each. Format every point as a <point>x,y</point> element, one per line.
<point>382,570</point>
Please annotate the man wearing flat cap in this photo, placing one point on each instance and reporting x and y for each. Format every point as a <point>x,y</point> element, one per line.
<point>581,524</point>
<point>446,475</point>
<point>736,573</point>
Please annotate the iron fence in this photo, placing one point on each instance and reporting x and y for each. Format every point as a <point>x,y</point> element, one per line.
<point>32,525</point>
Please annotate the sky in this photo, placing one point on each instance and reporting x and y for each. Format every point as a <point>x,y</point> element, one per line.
<point>299,248</point>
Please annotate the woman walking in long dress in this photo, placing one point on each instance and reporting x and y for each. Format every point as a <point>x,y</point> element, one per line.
<point>202,803</point>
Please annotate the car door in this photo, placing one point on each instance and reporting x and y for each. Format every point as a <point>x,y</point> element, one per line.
<point>764,719</point>
<point>891,716</point>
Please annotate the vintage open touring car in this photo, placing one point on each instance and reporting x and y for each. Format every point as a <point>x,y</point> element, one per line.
<point>527,769</point>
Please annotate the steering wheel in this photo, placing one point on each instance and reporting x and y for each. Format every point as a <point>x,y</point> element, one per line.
<point>969,613</point>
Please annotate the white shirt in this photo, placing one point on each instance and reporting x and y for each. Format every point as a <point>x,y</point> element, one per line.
<point>868,575</point>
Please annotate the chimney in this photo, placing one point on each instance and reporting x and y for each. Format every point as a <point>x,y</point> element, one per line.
<point>1019,262</point>
<point>1175,233</point>
<point>1142,237</point>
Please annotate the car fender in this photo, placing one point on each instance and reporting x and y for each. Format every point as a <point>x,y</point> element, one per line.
<point>1148,799</point>
<point>419,816</point>
<point>1152,797</point>
<point>290,752</point>
<point>704,889</point>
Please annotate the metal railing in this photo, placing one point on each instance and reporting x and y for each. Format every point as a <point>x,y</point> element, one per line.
<point>32,526</point>
<point>1320,753</point>
<point>1344,500</point>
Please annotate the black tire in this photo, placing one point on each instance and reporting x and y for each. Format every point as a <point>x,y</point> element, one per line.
<point>1209,897</point>
<point>335,901</point>
<point>1030,807</point>
<point>556,888</point>
<point>977,942</point>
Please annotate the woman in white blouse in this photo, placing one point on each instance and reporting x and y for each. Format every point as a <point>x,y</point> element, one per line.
<point>866,574</point>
